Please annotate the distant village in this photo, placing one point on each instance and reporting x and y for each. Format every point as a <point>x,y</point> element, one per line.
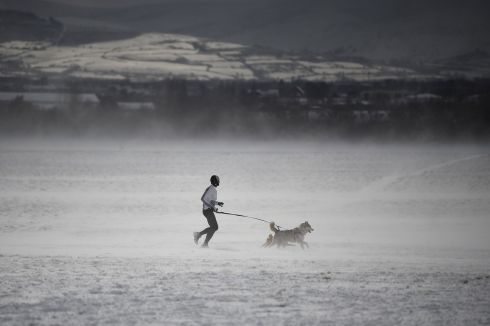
<point>392,108</point>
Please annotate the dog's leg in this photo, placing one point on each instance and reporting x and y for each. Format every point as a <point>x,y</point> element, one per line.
<point>265,243</point>
<point>271,243</point>
<point>274,242</point>
<point>268,241</point>
<point>304,244</point>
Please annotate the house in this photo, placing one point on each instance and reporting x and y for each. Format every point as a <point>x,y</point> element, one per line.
<point>364,116</point>
<point>49,101</point>
<point>317,112</point>
<point>419,98</point>
<point>136,105</point>
<point>268,93</point>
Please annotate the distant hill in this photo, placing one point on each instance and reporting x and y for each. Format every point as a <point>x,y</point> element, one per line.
<point>472,64</point>
<point>25,26</point>
<point>157,56</point>
<point>382,30</point>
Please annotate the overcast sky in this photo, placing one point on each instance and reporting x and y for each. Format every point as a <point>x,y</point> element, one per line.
<point>380,29</point>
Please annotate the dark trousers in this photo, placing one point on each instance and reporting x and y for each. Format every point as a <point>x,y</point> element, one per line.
<point>213,225</point>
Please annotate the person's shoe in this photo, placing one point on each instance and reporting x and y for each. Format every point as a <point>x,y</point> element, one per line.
<point>204,245</point>
<point>196,237</point>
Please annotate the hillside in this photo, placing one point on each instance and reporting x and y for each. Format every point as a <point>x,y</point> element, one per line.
<point>25,26</point>
<point>381,30</point>
<point>158,56</point>
<point>472,64</point>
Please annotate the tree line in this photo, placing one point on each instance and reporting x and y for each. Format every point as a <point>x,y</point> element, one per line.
<point>432,110</point>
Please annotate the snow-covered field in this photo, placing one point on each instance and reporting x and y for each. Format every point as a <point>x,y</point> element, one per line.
<point>101,233</point>
<point>159,56</point>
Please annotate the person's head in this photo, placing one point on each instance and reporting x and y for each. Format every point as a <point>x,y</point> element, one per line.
<point>215,180</point>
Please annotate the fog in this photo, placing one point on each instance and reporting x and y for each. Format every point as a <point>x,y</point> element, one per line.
<point>109,224</point>
<point>367,119</point>
<point>394,195</point>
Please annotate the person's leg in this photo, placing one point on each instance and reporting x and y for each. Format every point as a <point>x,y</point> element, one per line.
<point>213,226</point>
<point>203,232</point>
<point>206,230</point>
<point>209,215</point>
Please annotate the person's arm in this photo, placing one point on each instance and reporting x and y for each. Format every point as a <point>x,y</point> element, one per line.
<point>210,199</point>
<point>205,200</point>
<point>214,199</point>
<point>214,202</point>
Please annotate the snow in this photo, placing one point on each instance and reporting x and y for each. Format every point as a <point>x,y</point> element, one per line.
<point>232,72</point>
<point>101,232</point>
<point>155,56</point>
<point>200,57</point>
<point>145,56</point>
<point>96,75</point>
<point>223,46</point>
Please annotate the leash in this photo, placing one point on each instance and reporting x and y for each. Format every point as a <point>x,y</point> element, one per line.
<point>255,218</point>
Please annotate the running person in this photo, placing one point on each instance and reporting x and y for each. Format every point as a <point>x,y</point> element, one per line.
<point>209,201</point>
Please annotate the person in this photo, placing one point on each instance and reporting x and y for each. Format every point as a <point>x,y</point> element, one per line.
<point>209,201</point>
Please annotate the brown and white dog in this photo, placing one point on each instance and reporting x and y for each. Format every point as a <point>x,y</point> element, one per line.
<point>282,238</point>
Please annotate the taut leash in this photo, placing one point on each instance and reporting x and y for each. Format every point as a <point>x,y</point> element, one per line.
<point>255,218</point>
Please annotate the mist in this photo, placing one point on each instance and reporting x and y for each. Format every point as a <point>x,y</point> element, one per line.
<point>90,214</point>
<point>346,141</point>
<point>388,111</point>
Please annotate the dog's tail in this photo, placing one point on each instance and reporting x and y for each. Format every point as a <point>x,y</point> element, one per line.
<point>273,227</point>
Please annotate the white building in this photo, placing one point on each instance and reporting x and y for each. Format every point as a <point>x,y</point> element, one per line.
<point>50,101</point>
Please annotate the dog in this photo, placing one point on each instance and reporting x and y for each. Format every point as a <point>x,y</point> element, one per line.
<point>283,238</point>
